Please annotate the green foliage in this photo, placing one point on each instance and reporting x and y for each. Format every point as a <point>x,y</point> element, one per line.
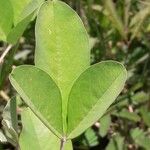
<point>5,23</point>
<point>10,122</point>
<point>105,122</point>
<point>118,30</point>
<point>128,115</point>
<point>15,16</point>
<point>67,95</point>
<point>138,21</point>
<point>112,14</point>
<point>140,138</point>
<point>92,93</point>
<point>18,8</point>
<point>145,115</point>
<point>90,138</point>
<point>42,96</point>
<point>116,143</point>
<point>17,31</point>
<point>62,47</point>
<point>34,130</point>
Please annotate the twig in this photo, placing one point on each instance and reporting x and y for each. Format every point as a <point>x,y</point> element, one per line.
<point>145,3</point>
<point>4,95</point>
<point>130,108</point>
<point>5,53</point>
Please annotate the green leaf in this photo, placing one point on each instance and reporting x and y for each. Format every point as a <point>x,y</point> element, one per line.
<point>104,125</point>
<point>116,143</point>
<point>30,8</point>
<point>127,115</point>
<point>114,18</point>
<point>18,30</point>
<point>25,13</point>
<point>140,97</point>
<point>13,113</point>
<point>18,7</point>
<point>6,18</point>
<point>3,139</point>
<point>36,136</point>
<point>41,94</point>
<point>91,138</point>
<point>140,138</point>
<point>92,94</point>
<point>138,21</point>
<point>145,116</point>
<point>127,6</point>
<point>2,35</point>
<point>10,122</point>
<point>62,46</point>
<point>16,14</point>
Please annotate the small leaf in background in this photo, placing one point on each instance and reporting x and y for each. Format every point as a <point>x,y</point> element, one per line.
<point>137,98</point>
<point>10,122</point>
<point>92,93</point>
<point>140,97</point>
<point>91,138</point>
<point>127,12</point>
<point>140,138</point>
<point>138,21</point>
<point>36,136</point>
<point>6,18</point>
<point>3,138</point>
<point>145,116</point>
<point>18,30</point>
<point>125,114</point>
<point>31,7</point>
<point>105,122</point>
<point>18,7</point>
<point>115,19</point>
<point>116,143</point>
<point>41,94</point>
<point>14,22</point>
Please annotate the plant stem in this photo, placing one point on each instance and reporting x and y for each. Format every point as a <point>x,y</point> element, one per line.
<point>63,141</point>
<point>5,53</point>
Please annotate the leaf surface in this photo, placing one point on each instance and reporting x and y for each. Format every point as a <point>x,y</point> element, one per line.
<point>127,115</point>
<point>32,6</point>
<point>18,7</point>
<point>24,12</point>
<point>62,46</point>
<point>10,122</point>
<point>6,18</point>
<point>105,122</point>
<point>92,94</point>
<point>18,30</point>
<point>35,130</point>
<point>140,138</point>
<point>41,94</point>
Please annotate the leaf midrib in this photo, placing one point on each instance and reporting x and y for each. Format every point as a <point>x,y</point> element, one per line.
<point>58,65</point>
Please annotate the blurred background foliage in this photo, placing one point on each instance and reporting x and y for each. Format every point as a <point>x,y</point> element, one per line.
<point>118,30</point>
